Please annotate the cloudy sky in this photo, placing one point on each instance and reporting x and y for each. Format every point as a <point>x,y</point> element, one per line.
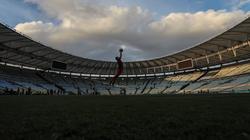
<point>146,29</point>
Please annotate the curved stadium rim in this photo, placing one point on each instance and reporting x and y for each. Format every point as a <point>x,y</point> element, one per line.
<point>138,75</point>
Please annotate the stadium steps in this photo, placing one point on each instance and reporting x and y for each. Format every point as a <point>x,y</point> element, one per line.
<point>50,82</point>
<point>109,90</point>
<point>150,89</point>
<point>186,85</point>
<point>136,90</point>
<point>145,87</point>
<point>168,85</point>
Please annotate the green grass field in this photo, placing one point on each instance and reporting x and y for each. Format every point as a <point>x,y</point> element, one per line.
<point>125,117</point>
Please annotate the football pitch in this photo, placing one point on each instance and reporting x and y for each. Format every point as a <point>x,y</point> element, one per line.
<point>188,117</point>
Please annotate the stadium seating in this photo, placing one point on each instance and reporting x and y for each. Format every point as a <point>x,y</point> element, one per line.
<point>228,79</point>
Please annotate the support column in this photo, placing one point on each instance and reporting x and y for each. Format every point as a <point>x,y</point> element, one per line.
<point>234,52</point>
<point>220,57</point>
<point>207,59</point>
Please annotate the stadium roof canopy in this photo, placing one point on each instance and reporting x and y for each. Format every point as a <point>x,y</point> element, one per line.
<point>232,45</point>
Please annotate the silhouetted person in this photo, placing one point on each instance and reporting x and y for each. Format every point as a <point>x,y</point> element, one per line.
<point>12,92</point>
<point>51,92</point>
<point>29,91</point>
<point>78,91</point>
<point>6,91</point>
<point>120,67</point>
<point>18,91</point>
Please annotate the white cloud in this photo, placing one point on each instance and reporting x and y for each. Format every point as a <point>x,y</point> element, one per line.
<point>97,31</point>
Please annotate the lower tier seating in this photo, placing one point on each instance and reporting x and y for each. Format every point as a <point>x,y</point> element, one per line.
<point>231,79</point>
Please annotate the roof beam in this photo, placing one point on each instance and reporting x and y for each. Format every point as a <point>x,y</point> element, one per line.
<point>101,68</point>
<point>148,64</point>
<point>159,62</point>
<point>185,56</point>
<point>155,62</point>
<point>131,66</point>
<point>218,45</point>
<point>5,32</point>
<point>22,52</point>
<point>176,59</point>
<point>27,46</point>
<point>40,49</point>
<point>225,38</point>
<point>110,68</point>
<point>193,52</point>
<point>207,50</point>
<point>93,68</point>
<point>13,40</point>
<point>241,32</point>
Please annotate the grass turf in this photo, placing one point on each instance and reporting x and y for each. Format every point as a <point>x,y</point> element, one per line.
<point>125,117</point>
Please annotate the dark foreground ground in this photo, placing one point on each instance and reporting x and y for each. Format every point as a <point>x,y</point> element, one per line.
<point>125,117</point>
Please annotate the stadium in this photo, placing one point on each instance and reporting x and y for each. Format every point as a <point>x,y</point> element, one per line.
<point>199,92</point>
<point>218,65</point>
